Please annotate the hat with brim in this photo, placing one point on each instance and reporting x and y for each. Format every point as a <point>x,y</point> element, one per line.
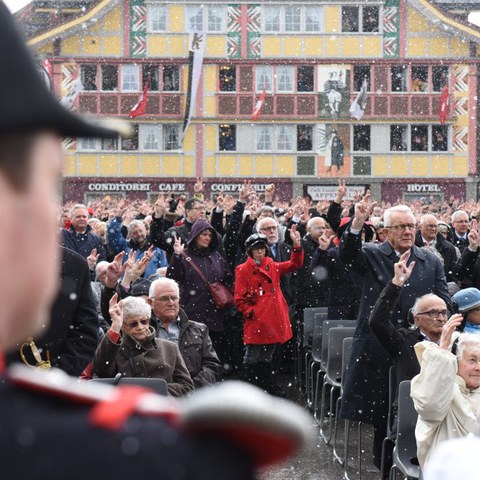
<point>27,105</point>
<point>467,299</point>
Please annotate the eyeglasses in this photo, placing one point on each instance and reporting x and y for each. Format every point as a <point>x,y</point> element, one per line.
<point>268,228</point>
<point>434,313</point>
<point>431,226</point>
<point>401,227</point>
<point>136,323</point>
<point>167,298</point>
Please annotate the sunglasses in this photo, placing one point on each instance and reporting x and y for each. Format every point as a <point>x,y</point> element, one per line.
<point>136,323</point>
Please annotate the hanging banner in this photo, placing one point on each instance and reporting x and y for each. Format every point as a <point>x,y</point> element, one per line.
<point>197,42</point>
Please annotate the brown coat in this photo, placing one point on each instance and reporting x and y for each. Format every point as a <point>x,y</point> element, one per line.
<point>153,358</point>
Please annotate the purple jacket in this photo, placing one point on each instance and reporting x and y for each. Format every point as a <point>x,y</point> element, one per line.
<point>194,296</point>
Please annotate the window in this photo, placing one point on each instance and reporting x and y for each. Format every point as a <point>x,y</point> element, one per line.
<point>216,19</point>
<point>271,19</point>
<point>212,17</point>
<point>361,138</point>
<point>87,144</point>
<point>264,78</point>
<point>419,78</point>
<point>398,138</point>
<point>227,78</point>
<point>305,78</point>
<point>109,77</point>
<point>171,137</point>
<point>364,19</point>
<point>150,73</point>
<point>264,137</point>
<point>398,76</point>
<point>285,137</point>
<point>360,73</point>
<point>129,78</point>
<point>171,78</point>
<point>89,77</point>
<point>131,143</point>
<point>227,138</point>
<point>109,144</point>
<point>285,79</point>
<point>304,138</point>
<point>439,138</point>
<point>419,138</point>
<point>313,15</point>
<point>439,78</point>
<point>157,18</point>
<point>292,19</point>
<point>350,22</point>
<point>150,137</point>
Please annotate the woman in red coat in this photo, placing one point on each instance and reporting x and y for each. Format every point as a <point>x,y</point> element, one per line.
<point>265,312</point>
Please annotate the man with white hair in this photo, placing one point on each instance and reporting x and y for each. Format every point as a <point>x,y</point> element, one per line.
<point>81,239</point>
<point>428,236</point>
<point>446,393</point>
<point>171,323</point>
<point>138,241</point>
<point>366,387</point>
<point>461,224</point>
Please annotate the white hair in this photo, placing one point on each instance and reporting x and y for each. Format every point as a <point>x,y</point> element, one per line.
<point>136,306</point>
<point>423,217</point>
<point>416,305</point>
<point>135,223</point>
<point>264,220</point>
<point>78,206</point>
<point>458,212</point>
<point>163,282</point>
<point>313,220</point>
<point>387,216</point>
<point>467,341</point>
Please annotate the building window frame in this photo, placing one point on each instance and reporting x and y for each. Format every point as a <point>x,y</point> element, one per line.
<point>292,19</point>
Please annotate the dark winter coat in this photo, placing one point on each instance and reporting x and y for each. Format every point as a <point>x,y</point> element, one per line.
<point>310,290</point>
<point>72,335</point>
<point>259,297</point>
<point>195,299</point>
<point>152,358</point>
<point>366,386</point>
<point>467,269</point>
<point>84,243</point>
<point>197,350</point>
<point>344,287</point>
<point>446,250</point>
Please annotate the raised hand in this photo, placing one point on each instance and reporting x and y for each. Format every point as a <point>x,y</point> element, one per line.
<point>160,206</point>
<point>295,235</point>
<point>199,185</point>
<point>305,216</point>
<point>115,309</point>
<point>115,270</point>
<point>401,271</point>
<point>362,211</point>
<point>473,236</point>
<point>269,191</point>
<point>450,326</point>
<point>341,191</point>
<point>92,259</point>
<point>246,190</point>
<point>324,242</point>
<point>178,246</point>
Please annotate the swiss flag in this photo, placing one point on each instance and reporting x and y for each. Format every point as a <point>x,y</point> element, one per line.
<point>259,105</point>
<point>141,106</point>
<point>444,104</point>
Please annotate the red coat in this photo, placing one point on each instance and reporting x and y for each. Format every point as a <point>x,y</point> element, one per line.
<point>259,297</point>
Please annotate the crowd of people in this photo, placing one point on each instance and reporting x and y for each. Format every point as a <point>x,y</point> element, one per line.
<point>393,268</point>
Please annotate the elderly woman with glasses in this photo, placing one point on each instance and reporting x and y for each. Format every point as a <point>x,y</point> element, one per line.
<point>446,393</point>
<point>130,348</point>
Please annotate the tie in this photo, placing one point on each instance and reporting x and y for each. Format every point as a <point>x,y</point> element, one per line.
<point>273,249</point>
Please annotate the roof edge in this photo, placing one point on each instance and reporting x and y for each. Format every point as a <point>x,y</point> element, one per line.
<point>57,31</point>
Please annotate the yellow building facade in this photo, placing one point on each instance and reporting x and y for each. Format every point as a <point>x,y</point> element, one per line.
<point>311,61</point>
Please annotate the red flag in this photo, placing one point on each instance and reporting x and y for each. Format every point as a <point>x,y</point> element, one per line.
<point>444,104</point>
<point>141,106</point>
<point>259,105</point>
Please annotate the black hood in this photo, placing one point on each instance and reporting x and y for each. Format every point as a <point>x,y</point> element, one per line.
<point>198,227</point>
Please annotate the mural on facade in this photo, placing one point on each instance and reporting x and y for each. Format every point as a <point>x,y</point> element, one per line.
<point>334,91</point>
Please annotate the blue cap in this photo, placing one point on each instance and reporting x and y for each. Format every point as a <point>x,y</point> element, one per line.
<point>467,299</point>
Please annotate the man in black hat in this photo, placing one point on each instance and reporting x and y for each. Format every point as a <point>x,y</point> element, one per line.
<point>52,426</point>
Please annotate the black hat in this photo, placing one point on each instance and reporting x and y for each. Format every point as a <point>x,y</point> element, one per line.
<point>255,240</point>
<point>140,287</point>
<point>26,103</point>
